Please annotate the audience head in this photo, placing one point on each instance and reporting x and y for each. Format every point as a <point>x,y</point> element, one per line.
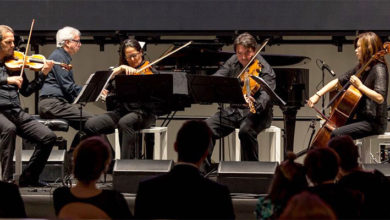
<point>306,205</point>
<point>90,159</point>
<point>321,165</point>
<point>289,179</point>
<point>347,151</point>
<point>192,141</point>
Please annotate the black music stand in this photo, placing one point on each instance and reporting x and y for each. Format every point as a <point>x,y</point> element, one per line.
<point>151,89</point>
<point>147,90</point>
<point>216,89</point>
<point>91,90</point>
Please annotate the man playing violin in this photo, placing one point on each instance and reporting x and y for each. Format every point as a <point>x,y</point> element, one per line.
<point>127,117</point>
<point>371,113</point>
<point>14,121</point>
<point>60,89</point>
<point>250,124</point>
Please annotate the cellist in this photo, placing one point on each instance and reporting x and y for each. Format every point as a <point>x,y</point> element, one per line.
<point>128,117</point>
<point>371,114</point>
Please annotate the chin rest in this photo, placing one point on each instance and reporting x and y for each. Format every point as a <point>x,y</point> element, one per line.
<point>53,124</point>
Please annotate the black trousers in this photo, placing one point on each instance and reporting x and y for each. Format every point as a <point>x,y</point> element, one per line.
<point>50,108</point>
<point>224,122</point>
<point>128,124</point>
<point>17,122</point>
<point>359,129</point>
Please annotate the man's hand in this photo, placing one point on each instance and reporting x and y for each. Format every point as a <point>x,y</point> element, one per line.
<point>47,67</point>
<point>15,80</point>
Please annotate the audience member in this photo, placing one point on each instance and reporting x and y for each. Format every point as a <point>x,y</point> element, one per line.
<point>306,205</point>
<point>373,184</point>
<point>11,206</point>
<point>183,192</point>
<point>91,158</point>
<point>289,179</point>
<point>321,168</point>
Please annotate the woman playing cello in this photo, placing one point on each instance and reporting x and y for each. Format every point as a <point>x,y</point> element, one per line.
<point>128,117</point>
<point>371,113</point>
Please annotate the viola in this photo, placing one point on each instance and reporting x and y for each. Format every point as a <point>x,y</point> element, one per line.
<point>250,86</point>
<point>347,101</point>
<point>34,62</point>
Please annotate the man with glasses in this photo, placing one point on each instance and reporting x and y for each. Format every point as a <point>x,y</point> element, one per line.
<point>250,124</point>
<point>60,89</point>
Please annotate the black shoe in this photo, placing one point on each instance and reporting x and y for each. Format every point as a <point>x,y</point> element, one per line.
<point>38,183</point>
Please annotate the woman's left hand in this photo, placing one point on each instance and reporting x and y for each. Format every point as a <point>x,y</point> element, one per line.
<point>355,81</point>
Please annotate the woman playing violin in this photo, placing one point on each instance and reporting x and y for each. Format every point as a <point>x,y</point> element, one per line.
<point>128,117</point>
<point>250,124</point>
<point>371,113</point>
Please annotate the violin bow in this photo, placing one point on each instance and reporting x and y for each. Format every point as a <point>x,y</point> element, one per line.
<point>25,52</point>
<point>163,57</point>
<point>254,57</point>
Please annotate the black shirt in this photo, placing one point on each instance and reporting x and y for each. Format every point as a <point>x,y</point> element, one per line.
<point>9,94</point>
<point>233,67</point>
<point>60,82</point>
<point>111,202</point>
<point>376,79</point>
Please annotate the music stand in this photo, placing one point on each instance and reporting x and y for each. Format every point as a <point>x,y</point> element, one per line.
<point>216,89</point>
<point>151,89</point>
<point>91,90</point>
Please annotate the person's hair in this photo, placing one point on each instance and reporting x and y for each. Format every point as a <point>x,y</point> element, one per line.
<point>66,33</point>
<point>289,179</point>
<point>122,48</point>
<point>322,164</point>
<point>192,141</point>
<point>4,29</point>
<point>347,150</point>
<point>306,205</point>
<point>90,159</point>
<point>246,40</point>
<point>370,44</point>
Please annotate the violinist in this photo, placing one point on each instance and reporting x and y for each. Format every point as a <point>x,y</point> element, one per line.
<point>14,121</point>
<point>250,124</point>
<point>60,89</point>
<point>371,113</point>
<point>127,117</point>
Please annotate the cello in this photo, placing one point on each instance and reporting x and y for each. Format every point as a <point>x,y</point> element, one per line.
<point>347,100</point>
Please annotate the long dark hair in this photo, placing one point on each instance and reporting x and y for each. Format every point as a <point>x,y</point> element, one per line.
<point>370,44</point>
<point>125,44</point>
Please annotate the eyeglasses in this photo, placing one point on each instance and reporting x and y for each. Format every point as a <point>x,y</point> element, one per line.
<point>132,56</point>
<point>76,41</point>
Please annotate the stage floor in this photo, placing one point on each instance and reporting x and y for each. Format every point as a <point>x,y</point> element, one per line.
<point>39,201</point>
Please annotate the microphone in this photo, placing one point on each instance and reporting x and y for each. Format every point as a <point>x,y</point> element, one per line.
<point>327,67</point>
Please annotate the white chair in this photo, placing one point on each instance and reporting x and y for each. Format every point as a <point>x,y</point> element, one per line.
<point>160,150</point>
<point>276,150</point>
<point>370,151</point>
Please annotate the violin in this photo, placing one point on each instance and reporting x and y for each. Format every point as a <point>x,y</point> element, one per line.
<point>34,62</point>
<point>145,69</point>
<point>250,86</point>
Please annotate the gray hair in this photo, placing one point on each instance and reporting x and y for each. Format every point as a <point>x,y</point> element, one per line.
<point>66,33</point>
<point>3,29</point>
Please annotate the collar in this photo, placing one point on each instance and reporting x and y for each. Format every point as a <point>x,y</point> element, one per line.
<point>65,53</point>
<point>187,164</point>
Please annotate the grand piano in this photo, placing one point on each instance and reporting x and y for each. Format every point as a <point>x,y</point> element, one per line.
<point>292,84</point>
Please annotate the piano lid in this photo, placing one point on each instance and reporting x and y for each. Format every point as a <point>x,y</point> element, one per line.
<point>206,57</point>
